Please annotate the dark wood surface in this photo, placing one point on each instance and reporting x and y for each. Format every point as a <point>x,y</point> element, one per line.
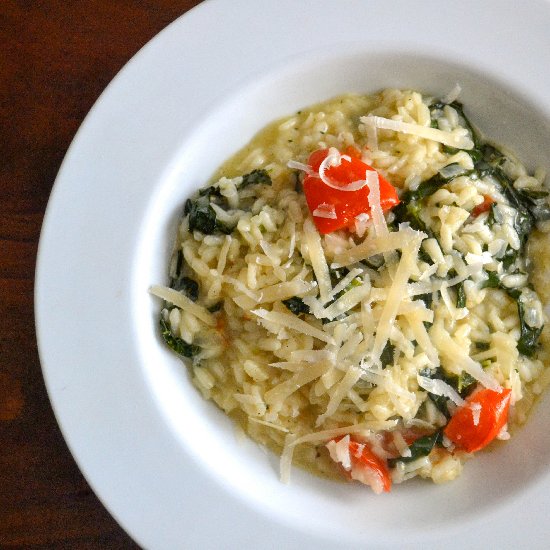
<point>56,58</point>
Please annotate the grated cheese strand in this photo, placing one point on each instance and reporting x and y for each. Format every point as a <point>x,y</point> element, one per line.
<point>457,139</point>
<point>344,282</point>
<point>223,254</point>
<point>395,295</point>
<point>346,302</point>
<point>373,245</point>
<point>416,322</point>
<point>318,260</point>
<point>378,219</point>
<point>183,302</point>
<point>348,381</point>
<point>284,291</point>
<point>439,387</point>
<point>325,210</point>
<point>288,387</point>
<point>289,320</point>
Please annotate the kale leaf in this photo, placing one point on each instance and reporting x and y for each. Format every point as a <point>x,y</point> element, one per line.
<point>256,177</point>
<point>421,447</point>
<point>426,298</point>
<point>177,344</point>
<point>188,286</point>
<point>387,355</point>
<point>464,384</point>
<point>475,153</point>
<point>482,346</point>
<point>202,217</point>
<point>216,307</point>
<point>460,295</point>
<point>180,282</point>
<point>408,210</point>
<point>529,336</point>
<point>530,206</point>
<point>296,305</point>
<point>495,215</point>
<point>493,280</point>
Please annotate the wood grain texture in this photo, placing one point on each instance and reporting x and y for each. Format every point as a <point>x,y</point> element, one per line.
<point>57,57</point>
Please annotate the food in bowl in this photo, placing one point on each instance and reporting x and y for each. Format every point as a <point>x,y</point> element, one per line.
<point>355,288</point>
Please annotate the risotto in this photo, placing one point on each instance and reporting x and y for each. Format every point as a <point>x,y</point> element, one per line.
<point>357,289</point>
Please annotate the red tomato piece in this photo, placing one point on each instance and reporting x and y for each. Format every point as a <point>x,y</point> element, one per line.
<point>483,207</point>
<point>365,466</point>
<point>491,416</point>
<point>362,458</point>
<point>347,204</point>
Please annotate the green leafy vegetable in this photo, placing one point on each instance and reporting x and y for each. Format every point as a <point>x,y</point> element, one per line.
<point>336,275</point>
<point>460,295</point>
<point>180,261</point>
<point>424,256</point>
<point>256,177</point>
<point>188,286</point>
<point>436,111</point>
<point>452,171</point>
<point>387,355</point>
<point>493,280</point>
<point>465,384</point>
<point>426,298</point>
<point>441,404</point>
<point>177,344</point>
<point>438,400</point>
<point>413,201</point>
<point>510,258</point>
<point>182,283</point>
<point>297,175</point>
<point>421,447</point>
<point>530,206</point>
<point>409,210</point>
<point>202,217</point>
<point>529,336</point>
<point>482,346</point>
<point>528,340</point>
<point>210,192</point>
<point>296,305</point>
<point>374,262</point>
<point>216,307</point>
<point>427,188</point>
<point>495,215</point>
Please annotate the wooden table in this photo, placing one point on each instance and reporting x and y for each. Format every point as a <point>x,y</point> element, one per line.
<point>57,56</point>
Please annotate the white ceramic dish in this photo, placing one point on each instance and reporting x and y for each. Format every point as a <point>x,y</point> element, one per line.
<point>165,463</point>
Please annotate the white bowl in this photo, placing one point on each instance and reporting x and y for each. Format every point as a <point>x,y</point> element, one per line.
<point>165,462</point>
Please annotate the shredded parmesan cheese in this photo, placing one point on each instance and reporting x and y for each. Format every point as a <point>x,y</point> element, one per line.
<point>457,138</point>
<point>325,210</point>
<point>439,387</point>
<point>476,412</point>
<point>335,159</point>
<point>288,320</point>
<point>318,260</point>
<point>395,296</point>
<point>183,302</point>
